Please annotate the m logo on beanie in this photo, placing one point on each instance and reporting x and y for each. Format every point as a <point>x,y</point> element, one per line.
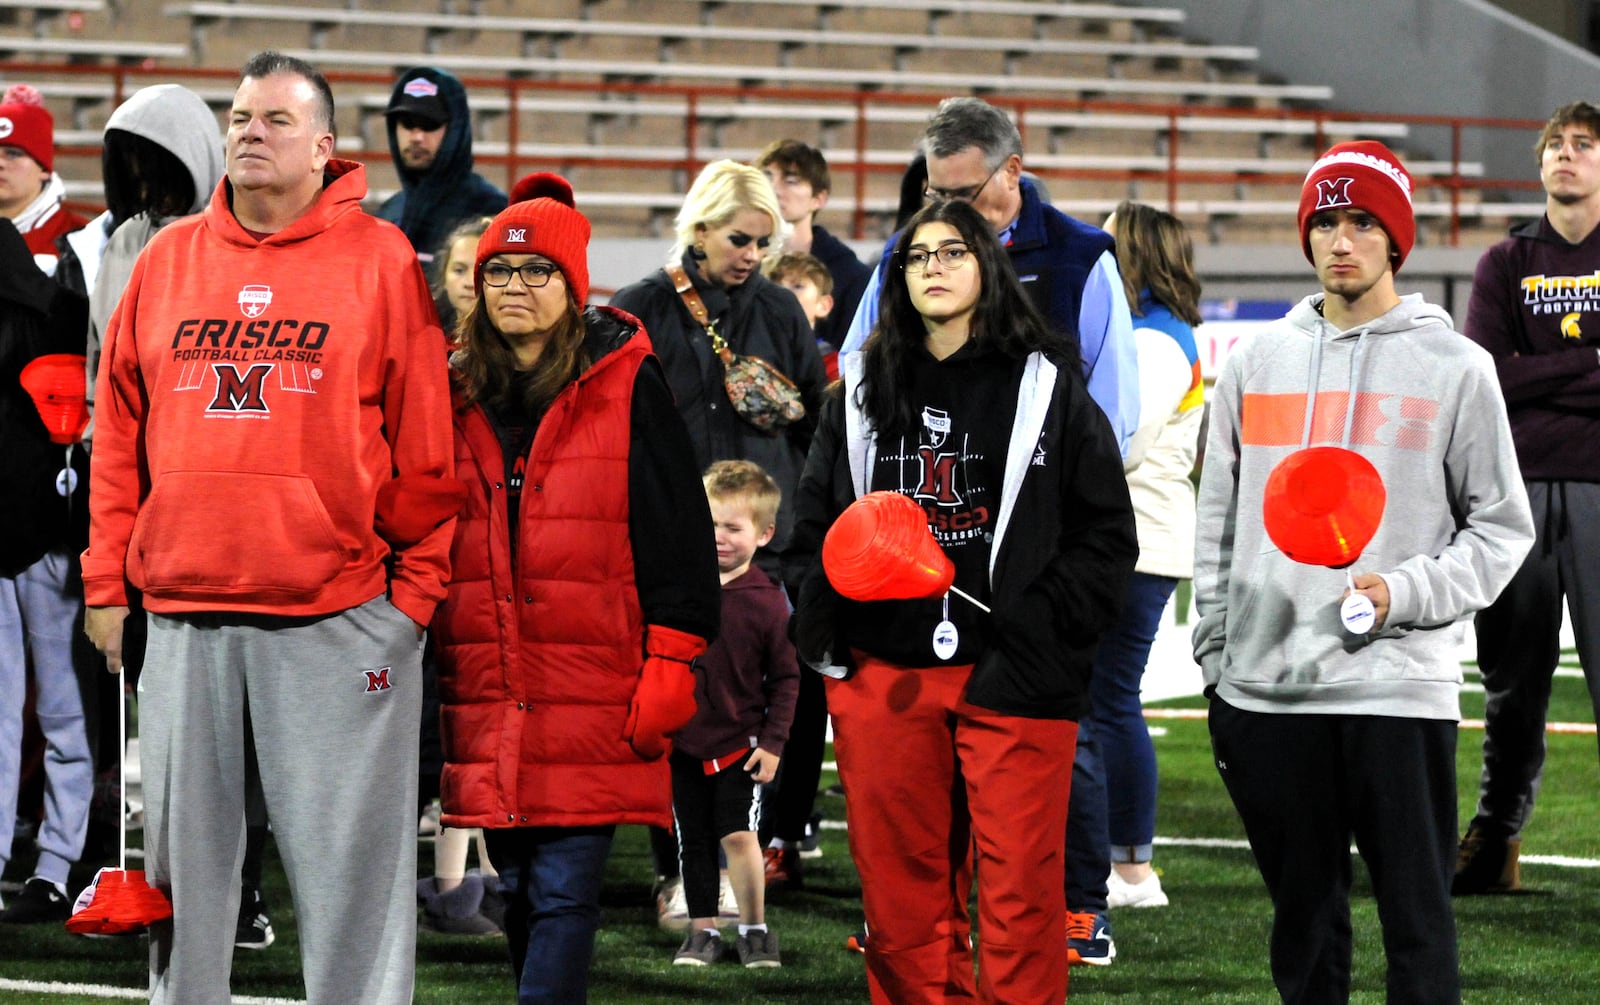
<point>5,128</point>
<point>1333,192</point>
<point>1361,175</point>
<point>517,234</point>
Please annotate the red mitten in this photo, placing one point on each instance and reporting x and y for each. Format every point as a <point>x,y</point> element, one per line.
<point>663,700</point>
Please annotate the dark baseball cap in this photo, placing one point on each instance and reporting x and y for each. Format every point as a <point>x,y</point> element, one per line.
<point>419,98</point>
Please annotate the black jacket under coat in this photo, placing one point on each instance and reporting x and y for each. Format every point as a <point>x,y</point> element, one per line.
<point>757,318</point>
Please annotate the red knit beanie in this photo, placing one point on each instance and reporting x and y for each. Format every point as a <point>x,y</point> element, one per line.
<point>25,123</point>
<point>1364,175</point>
<point>541,220</point>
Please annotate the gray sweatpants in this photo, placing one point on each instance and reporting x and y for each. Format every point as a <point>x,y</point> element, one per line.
<point>333,705</point>
<point>40,612</point>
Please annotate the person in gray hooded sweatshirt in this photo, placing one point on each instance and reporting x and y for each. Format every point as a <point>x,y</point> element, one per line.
<point>163,158</point>
<point>1320,734</point>
<point>430,140</point>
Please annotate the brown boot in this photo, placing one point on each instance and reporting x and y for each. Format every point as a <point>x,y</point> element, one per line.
<point>1486,864</point>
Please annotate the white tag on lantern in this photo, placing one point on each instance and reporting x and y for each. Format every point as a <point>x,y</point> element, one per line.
<point>66,482</point>
<point>1358,614</point>
<point>945,637</point>
<point>1357,611</point>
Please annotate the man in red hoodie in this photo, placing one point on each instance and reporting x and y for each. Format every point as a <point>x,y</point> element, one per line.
<point>273,471</point>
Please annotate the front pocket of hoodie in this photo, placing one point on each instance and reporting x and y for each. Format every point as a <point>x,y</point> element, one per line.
<point>1254,629</point>
<point>204,534</point>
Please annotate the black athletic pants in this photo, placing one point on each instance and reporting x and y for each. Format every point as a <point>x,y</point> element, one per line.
<point>1305,786</point>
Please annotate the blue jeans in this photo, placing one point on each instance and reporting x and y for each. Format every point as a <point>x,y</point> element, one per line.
<point>550,878</point>
<point>1111,811</point>
<point>1128,756</point>
<point>1087,858</point>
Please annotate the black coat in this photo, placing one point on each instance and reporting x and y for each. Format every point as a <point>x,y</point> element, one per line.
<point>1058,579</point>
<point>38,317</point>
<point>757,318</point>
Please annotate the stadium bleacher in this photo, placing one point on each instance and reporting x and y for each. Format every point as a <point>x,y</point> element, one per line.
<point>627,97</point>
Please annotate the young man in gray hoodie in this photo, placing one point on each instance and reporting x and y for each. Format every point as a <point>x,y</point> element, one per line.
<point>1323,736</point>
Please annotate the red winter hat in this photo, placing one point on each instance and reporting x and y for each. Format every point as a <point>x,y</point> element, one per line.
<point>26,124</point>
<point>541,220</point>
<point>1364,175</point>
<point>1322,505</point>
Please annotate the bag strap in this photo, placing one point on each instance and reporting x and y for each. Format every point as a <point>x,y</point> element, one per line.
<point>697,310</point>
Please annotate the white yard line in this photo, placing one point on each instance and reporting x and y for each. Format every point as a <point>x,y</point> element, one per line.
<point>109,991</point>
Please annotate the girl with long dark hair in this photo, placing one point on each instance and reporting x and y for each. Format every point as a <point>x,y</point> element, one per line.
<point>955,727</point>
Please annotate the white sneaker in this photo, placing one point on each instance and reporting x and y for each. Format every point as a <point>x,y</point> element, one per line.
<point>1121,893</point>
<point>672,907</point>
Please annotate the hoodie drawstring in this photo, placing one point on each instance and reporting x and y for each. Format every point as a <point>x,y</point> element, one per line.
<point>1555,518</point>
<point>1311,389</point>
<point>1352,382</point>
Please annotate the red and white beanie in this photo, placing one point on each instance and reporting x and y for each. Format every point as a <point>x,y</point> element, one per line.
<point>1364,175</point>
<point>541,220</point>
<point>26,124</point>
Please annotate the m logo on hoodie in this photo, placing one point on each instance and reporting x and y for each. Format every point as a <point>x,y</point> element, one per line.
<point>240,392</point>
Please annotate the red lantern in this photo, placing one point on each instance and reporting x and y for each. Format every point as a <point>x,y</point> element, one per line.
<point>880,548</point>
<point>119,902</point>
<point>1323,505</point>
<point>59,390</point>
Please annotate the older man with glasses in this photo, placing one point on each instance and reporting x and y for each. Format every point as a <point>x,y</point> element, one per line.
<point>974,154</point>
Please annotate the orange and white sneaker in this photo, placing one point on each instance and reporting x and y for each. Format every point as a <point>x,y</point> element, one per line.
<point>1089,939</point>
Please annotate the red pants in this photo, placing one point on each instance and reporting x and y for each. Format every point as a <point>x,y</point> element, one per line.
<point>927,779</point>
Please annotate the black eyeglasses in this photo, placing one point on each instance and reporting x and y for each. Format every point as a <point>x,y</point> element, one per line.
<point>960,194</point>
<point>951,256</point>
<point>534,274</point>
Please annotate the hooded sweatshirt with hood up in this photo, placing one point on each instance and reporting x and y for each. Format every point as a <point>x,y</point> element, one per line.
<point>1423,405</point>
<point>179,121</point>
<point>431,203</point>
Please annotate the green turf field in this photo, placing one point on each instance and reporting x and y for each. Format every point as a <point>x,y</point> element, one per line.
<point>1208,946</point>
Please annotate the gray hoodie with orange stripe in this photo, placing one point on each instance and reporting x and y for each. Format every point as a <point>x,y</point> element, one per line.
<point>1420,402</point>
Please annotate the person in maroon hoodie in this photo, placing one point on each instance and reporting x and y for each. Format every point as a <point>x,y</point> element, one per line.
<point>745,689</point>
<point>1534,307</point>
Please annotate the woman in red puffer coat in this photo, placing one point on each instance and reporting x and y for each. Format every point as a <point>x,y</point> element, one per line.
<point>584,585</point>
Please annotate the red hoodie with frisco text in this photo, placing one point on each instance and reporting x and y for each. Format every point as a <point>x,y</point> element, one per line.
<point>253,397</point>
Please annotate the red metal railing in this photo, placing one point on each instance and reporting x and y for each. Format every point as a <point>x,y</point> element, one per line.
<point>524,94</point>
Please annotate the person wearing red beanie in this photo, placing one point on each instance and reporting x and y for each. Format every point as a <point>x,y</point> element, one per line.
<point>30,192</point>
<point>1326,734</point>
<point>584,584</point>
<point>43,497</point>
<point>1365,175</point>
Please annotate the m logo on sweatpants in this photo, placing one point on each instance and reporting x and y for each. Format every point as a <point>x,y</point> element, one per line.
<point>377,680</point>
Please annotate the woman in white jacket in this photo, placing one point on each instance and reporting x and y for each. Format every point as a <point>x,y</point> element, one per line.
<point>1156,259</point>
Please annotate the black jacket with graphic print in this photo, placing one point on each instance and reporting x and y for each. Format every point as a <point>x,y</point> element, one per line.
<point>1064,546</point>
